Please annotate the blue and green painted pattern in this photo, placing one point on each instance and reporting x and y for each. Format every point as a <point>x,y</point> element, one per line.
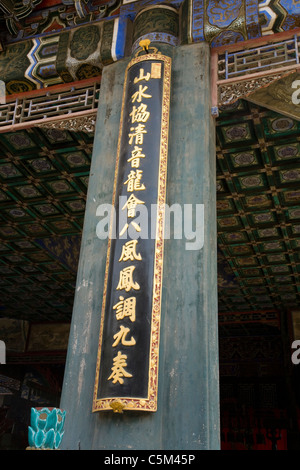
<point>80,51</point>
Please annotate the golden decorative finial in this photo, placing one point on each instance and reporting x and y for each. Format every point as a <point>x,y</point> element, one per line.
<point>117,406</point>
<point>144,43</point>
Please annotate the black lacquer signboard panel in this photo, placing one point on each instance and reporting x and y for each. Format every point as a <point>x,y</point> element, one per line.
<point>128,353</point>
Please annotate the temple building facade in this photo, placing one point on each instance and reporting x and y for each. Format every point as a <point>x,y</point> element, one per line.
<point>149,224</point>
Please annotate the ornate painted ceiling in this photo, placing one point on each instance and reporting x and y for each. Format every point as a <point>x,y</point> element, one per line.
<point>258,175</point>
<point>43,181</point>
<point>24,18</point>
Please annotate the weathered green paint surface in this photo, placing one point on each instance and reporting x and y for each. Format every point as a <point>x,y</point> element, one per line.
<point>188,396</point>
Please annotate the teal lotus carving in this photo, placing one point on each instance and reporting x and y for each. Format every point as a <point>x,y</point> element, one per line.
<point>46,430</point>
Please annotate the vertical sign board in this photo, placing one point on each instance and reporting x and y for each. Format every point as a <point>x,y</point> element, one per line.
<point>128,351</point>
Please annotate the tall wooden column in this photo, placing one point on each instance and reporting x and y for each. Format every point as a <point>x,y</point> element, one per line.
<point>187,415</point>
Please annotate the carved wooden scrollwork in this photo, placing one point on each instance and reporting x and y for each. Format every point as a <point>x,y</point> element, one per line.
<point>231,92</point>
<point>85,123</point>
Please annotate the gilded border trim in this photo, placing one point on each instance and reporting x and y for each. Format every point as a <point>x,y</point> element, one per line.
<point>149,404</point>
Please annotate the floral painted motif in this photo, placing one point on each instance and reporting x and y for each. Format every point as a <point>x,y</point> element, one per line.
<point>223,13</point>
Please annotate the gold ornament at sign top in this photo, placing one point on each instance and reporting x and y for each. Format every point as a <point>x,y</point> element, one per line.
<point>144,47</point>
<point>145,43</point>
<point>149,403</point>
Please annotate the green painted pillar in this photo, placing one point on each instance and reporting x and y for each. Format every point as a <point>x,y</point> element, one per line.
<point>187,417</point>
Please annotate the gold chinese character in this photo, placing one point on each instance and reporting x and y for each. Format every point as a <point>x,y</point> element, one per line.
<point>134,224</point>
<point>131,204</point>
<point>136,155</point>
<point>126,279</point>
<point>140,94</point>
<point>121,337</point>
<point>139,114</point>
<point>118,368</point>
<point>137,134</point>
<point>134,181</point>
<point>129,251</point>
<point>125,308</point>
<point>142,76</point>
